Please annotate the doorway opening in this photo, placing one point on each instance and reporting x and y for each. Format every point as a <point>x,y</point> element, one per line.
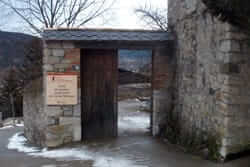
<point>134,92</point>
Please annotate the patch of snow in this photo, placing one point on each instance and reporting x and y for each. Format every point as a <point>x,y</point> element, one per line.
<point>137,100</point>
<point>49,166</point>
<point>64,154</point>
<point>114,162</point>
<point>142,122</point>
<point>11,126</point>
<point>6,127</point>
<point>20,125</point>
<point>136,122</point>
<point>19,142</point>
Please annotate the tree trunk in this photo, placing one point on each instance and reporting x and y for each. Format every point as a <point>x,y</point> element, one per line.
<point>12,104</point>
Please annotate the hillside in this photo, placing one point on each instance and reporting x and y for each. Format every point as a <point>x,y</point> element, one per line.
<point>12,48</point>
<point>134,60</point>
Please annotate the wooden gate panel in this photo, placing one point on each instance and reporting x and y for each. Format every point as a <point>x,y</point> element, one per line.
<point>99,73</point>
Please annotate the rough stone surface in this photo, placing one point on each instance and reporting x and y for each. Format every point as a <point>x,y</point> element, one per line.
<point>163,79</point>
<point>58,135</point>
<point>35,119</point>
<point>45,125</point>
<point>212,97</point>
<point>65,123</point>
<point>1,119</point>
<point>75,122</point>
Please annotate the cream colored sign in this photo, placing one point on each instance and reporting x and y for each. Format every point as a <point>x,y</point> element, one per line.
<point>61,90</point>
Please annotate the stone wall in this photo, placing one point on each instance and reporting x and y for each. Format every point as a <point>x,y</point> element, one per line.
<point>163,74</point>
<point>64,122</point>
<point>52,126</point>
<point>212,99</point>
<point>33,112</point>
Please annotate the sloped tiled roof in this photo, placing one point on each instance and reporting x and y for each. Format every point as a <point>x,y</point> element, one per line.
<point>105,35</point>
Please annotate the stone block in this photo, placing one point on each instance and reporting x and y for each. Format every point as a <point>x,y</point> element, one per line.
<point>58,52</point>
<point>60,70</point>
<point>53,121</point>
<point>64,108</point>
<point>230,68</point>
<point>54,111</point>
<point>47,52</point>
<point>68,45</point>
<point>68,113</point>
<point>77,110</point>
<point>55,142</point>
<point>77,132</point>
<point>58,135</point>
<point>66,61</point>
<point>75,123</point>
<point>64,66</point>
<point>48,68</point>
<point>230,46</point>
<point>53,60</point>
<point>55,45</point>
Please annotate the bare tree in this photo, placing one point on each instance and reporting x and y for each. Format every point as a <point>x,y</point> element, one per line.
<point>40,14</point>
<point>2,8</point>
<point>10,91</point>
<point>155,18</point>
<point>16,78</point>
<point>31,68</point>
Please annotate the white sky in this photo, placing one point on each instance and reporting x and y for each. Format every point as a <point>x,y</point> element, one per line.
<point>123,16</point>
<point>126,18</point>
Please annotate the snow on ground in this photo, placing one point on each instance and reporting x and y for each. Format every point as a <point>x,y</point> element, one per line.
<point>18,142</point>
<point>133,124</point>
<point>6,127</point>
<point>20,125</point>
<point>11,126</point>
<point>130,120</point>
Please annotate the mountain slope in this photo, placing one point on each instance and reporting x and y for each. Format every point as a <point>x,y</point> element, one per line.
<point>12,48</point>
<point>134,60</point>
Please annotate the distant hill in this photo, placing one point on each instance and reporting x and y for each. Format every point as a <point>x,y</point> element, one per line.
<point>128,77</point>
<point>12,48</point>
<point>134,60</point>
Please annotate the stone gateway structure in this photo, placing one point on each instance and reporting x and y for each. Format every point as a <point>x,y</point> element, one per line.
<point>201,85</point>
<point>53,118</point>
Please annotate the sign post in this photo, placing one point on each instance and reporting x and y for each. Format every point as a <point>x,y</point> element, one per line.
<point>61,89</point>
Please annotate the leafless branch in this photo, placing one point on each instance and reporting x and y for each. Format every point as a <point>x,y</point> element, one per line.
<point>40,14</point>
<point>154,18</point>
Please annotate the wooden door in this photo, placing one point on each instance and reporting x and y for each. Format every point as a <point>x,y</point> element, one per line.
<point>99,81</point>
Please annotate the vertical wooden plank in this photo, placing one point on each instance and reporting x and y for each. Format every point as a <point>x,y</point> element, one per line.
<point>99,93</point>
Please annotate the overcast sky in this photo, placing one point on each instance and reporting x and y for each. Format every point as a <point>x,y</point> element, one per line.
<point>126,17</point>
<point>123,16</point>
